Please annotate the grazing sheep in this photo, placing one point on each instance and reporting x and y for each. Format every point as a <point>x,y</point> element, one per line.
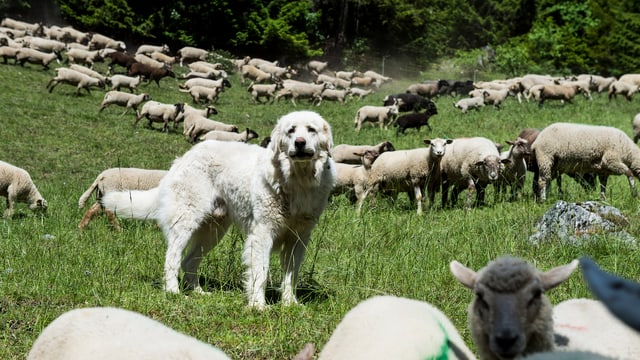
<point>622,88</point>
<point>514,172</point>
<point>297,89</point>
<point>415,120</point>
<point>129,101</point>
<point>113,333</point>
<point>130,82</point>
<point>345,153</point>
<point>150,73</point>
<point>581,149</point>
<point>408,102</point>
<point>99,41</point>
<point>16,185</point>
<point>32,56</point>
<point>268,91</point>
<point>383,115</point>
<point>149,49</point>
<point>196,125</point>
<point>360,93</point>
<point>467,104</point>
<point>158,112</point>
<point>208,94</point>
<point>564,93</point>
<point>245,136</point>
<point>389,327</point>
<point>190,54</point>
<point>75,78</point>
<point>87,57</point>
<point>352,179</point>
<point>636,128</point>
<point>510,315</point>
<point>410,171</point>
<point>470,163</point>
<point>428,90</point>
<point>116,179</point>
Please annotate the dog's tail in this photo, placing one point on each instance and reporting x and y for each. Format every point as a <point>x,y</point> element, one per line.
<point>132,204</point>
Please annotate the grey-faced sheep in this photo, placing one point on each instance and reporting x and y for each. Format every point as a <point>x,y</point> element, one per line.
<point>581,149</point>
<point>352,179</point>
<point>389,327</point>
<point>129,101</point>
<point>114,333</point>
<point>189,54</point>
<point>622,88</point>
<point>267,91</point>
<point>415,120</point>
<point>469,163</point>
<point>510,315</point>
<point>32,56</point>
<point>16,185</point>
<point>514,173</point>
<point>245,136</point>
<point>155,111</point>
<point>346,153</point>
<point>116,179</point>
<point>411,171</point>
<point>467,104</point>
<point>75,78</point>
<point>150,73</point>
<point>636,128</point>
<point>383,115</point>
<point>130,82</point>
<point>208,94</point>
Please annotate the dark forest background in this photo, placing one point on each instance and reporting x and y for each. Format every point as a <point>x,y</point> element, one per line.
<point>511,36</point>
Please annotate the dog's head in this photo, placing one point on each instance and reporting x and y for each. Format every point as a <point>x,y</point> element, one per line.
<point>302,136</point>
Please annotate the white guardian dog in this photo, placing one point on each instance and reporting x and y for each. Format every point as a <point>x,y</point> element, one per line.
<point>275,195</point>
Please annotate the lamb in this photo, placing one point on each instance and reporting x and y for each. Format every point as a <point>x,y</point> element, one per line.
<point>389,327</point>
<point>565,93</point>
<point>515,170</point>
<point>130,82</point>
<point>636,128</point>
<point>415,120</point>
<point>254,74</point>
<point>36,57</point>
<point>148,49</point>
<point>73,77</point>
<point>622,88</point>
<point>410,171</point>
<point>87,57</point>
<point>467,104</point>
<point>576,148</point>
<point>99,41</point>
<point>470,163</point>
<point>297,89</point>
<point>345,153</point>
<point>383,115</point>
<point>208,94</point>
<point>190,54</point>
<point>510,315</point>
<point>150,73</point>
<point>129,101</point>
<point>335,95</point>
<point>195,125</point>
<point>360,93</point>
<point>352,179</point>
<point>245,136</point>
<point>114,333</point>
<point>16,185</point>
<point>116,179</point>
<point>190,110</point>
<point>268,91</point>
<point>155,111</point>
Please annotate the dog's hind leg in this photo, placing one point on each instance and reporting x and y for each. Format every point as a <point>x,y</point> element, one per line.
<point>255,257</point>
<point>291,257</point>
<point>202,241</point>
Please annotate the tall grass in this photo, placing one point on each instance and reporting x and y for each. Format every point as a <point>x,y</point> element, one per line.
<point>64,143</point>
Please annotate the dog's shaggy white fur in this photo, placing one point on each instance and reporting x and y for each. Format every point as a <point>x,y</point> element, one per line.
<point>275,195</point>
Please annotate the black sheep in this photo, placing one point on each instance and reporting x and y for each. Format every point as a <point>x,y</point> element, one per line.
<point>415,120</point>
<point>408,102</point>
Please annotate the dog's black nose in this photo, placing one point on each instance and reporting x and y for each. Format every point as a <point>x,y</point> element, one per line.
<point>300,143</point>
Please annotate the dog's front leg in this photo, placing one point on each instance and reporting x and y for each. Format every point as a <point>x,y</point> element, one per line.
<point>291,259</point>
<point>255,257</point>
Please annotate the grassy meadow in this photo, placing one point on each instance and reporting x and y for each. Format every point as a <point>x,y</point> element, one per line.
<point>48,266</point>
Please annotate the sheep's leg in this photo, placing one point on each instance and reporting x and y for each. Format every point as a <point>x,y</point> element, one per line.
<point>471,186</point>
<point>603,185</point>
<point>10,204</point>
<point>418,195</point>
<point>93,211</point>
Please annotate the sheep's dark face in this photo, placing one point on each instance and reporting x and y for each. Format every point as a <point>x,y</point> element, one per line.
<point>489,168</point>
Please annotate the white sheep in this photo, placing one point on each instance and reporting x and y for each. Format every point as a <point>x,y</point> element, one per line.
<point>8,52</point>
<point>362,81</point>
<point>352,179</point>
<point>245,136</point>
<point>113,333</point>
<point>467,104</point>
<point>298,89</point>
<point>190,54</point>
<point>360,93</point>
<point>208,94</point>
<point>21,25</point>
<point>46,45</point>
<point>116,179</point>
<point>428,89</point>
<point>630,78</point>
<point>565,93</point>
<point>36,57</point>
<point>130,82</point>
<point>16,185</point>
<point>156,111</point>
<point>389,327</point>
<point>379,78</point>
<point>203,66</point>
<point>345,153</point>
<point>267,91</point>
<point>495,97</point>
<point>636,128</point>
<point>510,315</point>
<point>469,163</point>
<point>163,58</point>
<point>254,74</point>
<point>514,173</point>
<point>600,83</point>
<point>622,88</point>
<point>190,110</point>
<point>383,115</point>
<point>580,149</point>
<point>99,41</point>
<point>347,75</point>
<point>219,83</point>
<point>88,57</point>
<point>144,59</point>
<point>278,72</point>
<point>335,95</point>
<point>411,171</point>
<point>196,125</point>
<point>258,62</point>
<point>148,49</point>
<point>317,67</point>
<point>75,78</point>
<point>336,82</point>
<point>76,35</point>
<point>129,101</point>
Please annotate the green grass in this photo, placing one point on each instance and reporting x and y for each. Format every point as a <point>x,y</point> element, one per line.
<point>64,143</point>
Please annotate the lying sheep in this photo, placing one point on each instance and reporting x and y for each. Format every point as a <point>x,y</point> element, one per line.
<point>510,315</point>
<point>195,126</point>
<point>150,73</point>
<point>565,93</point>
<point>636,128</point>
<point>86,57</point>
<point>383,115</point>
<point>245,136</point>
<point>514,172</point>
<point>352,179</point>
<point>113,333</point>
<point>16,185</point>
<point>415,120</point>
<point>581,149</point>
<point>130,82</point>
<point>267,91</point>
<point>467,104</point>
<point>345,153</point>
<point>75,78</point>
<point>190,54</point>
<point>116,179</point>
<point>32,56</point>
<point>129,101</point>
<point>155,111</point>
<point>389,327</point>
<point>208,94</point>
<point>469,163</point>
<point>411,171</point>
<point>622,88</point>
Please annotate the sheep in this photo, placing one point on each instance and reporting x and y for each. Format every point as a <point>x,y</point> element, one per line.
<point>163,58</point>
<point>514,172</point>
<point>195,125</point>
<point>467,104</point>
<point>381,114</point>
<point>190,110</point>
<point>338,83</point>
<point>622,88</point>
<point>76,35</point>
<point>346,153</point>
<point>347,75</point>
<point>297,89</point>
<point>352,179</point>
<point>116,179</point>
<point>254,74</point>
<point>415,120</point>
<point>268,91</point>
<point>316,67</point>
<point>150,73</point>
<point>389,327</point>
<point>360,93</point>
<point>196,74</point>
<point>148,49</point>
<point>636,128</point>
<point>36,57</point>
<point>470,163</point>
<point>129,101</point>
<point>278,71</point>
<point>565,93</point>
<point>85,70</point>
<point>155,111</point>
<point>7,52</point>
<point>600,83</point>
<point>587,325</point>
<point>495,97</point>
<point>245,136</point>
<point>73,77</point>
<point>379,79</point>
<point>335,95</point>
<point>118,81</point>
<point>144,59</point>
<point>203,66</point>
<point>410,171</point>
<point>428,90</point>
<point>99,41</point>
<point>630,78</point>
<point>580,149</point>
<point>114,333</point>
<point>16,185</point>
<point>87,57</point>
<point>510,315</point>
<point>190,54</point>
<point>120,58</point>
<point>21,25</point>
<point>46,45</point>
<point>220,83</point>
<point>408,102</point>
<point>208,94</point>
<point>362,81</point>
<point>258,62</point>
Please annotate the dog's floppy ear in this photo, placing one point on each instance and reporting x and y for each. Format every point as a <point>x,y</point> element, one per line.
<point>327,143</point>
<point>276,137</point>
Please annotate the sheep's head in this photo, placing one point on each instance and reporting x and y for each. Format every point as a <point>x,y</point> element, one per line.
<point>488,168</point>
<point>437,146</point>
<point>510,315</point>
<point>519,147</point>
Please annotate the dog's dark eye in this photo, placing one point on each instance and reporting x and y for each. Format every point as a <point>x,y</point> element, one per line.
<point>312,130</point>
<point>291,130</point>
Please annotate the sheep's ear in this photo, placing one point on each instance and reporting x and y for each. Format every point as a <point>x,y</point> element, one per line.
<point>510,142</point>
<point>427,141</point>
<point>557,275</point>
<point>465,276</point>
